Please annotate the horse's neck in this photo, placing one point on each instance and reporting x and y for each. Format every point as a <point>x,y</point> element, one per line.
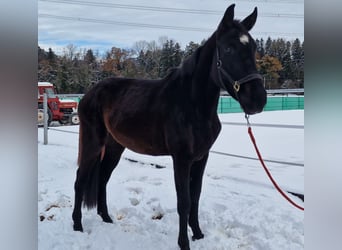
<point>203,90</point>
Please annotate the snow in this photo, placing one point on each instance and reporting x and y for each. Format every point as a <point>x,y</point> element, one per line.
<point>66,100</point>
<point>48,84</point>
<point>239,208</point>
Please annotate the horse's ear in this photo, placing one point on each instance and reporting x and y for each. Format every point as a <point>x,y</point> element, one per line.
<point>227,19</point>
<point>228,15</point>
<point>249,21</point>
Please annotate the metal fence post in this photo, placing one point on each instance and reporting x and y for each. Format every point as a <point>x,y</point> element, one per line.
<point>45,119</point>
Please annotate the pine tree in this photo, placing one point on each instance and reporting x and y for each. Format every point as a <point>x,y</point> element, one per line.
<point>51,56</point>
<point>41,54</point>
<point>287,72</point>
<point>268,46</point>
<point>47,65</point>
<point>190,49</point>
<point>177,55</point>
<point>283,54</point>
<point>63,76</point>
<point>260,48</point>
<point>298,59</point>
<point>301,66</point>
<point>165,59</point>
<point>89,57</point>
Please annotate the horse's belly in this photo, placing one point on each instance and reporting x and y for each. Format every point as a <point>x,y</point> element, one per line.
<point>140,144</point>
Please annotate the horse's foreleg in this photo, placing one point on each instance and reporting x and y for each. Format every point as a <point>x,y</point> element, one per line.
<point>111,158</point>
<point>196,175</point>
<point>182,182</point>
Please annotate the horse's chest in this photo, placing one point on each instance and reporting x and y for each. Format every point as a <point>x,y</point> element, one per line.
<point>194,138</point>
<point>205,136</point>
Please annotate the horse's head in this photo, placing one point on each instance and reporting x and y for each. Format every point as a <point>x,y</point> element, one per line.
<point>236,66</point>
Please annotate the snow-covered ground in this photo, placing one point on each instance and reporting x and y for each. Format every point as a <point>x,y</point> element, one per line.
<point>239,208</point>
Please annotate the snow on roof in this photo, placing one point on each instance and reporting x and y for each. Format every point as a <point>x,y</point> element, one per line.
<point>45,84</point>
<point>67,100</point>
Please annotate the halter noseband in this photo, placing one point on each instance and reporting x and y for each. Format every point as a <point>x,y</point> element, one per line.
<point>236,84</point>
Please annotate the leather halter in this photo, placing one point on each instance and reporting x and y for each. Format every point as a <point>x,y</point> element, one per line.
<point>235,83</point>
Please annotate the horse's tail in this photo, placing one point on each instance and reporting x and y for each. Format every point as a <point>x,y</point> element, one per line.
<point>79,144</point>
<point>90,194</point>
<point>90,171</point>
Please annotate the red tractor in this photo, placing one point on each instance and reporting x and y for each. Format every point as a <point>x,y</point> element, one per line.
<point>64,111</point>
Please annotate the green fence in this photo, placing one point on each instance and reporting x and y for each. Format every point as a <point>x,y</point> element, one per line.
<point>228,105</point>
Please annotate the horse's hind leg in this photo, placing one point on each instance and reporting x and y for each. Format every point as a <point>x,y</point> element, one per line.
<point>196,175</point>
<point>113,151</point>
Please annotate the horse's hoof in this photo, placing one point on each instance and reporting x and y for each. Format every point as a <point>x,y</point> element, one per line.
<point>106,218</point>
<point>197,236</point>
<point>78,227</point>
<point>185,248</point>
<point>184,245</point>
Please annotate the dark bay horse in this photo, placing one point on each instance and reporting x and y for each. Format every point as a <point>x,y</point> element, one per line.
<point>176,116</point>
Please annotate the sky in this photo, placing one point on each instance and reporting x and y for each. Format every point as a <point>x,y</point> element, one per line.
<point>103,24</point>
<point>239,208</point>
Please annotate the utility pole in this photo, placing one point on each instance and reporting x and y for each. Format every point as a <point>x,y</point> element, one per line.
<point>45,107</point>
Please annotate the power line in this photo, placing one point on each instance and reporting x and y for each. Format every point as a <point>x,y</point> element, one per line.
<point>164,9</point>
<point>274,1</point>
<point>145,25</point>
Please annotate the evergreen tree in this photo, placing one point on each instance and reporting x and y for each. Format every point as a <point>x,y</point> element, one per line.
<point>268,46</point>
<point>260,48</point>
<point>76,71</point>
<point>287,72</point>
<point>165,62</point>
<point>298,59</point>
<point>301,67</point>
<point>283,54</point>
<point>41,54</point>
<point>51,56</point>
<point>47,68</point>
<point>171,56</point>
<point>62,81</point>
<point>176,56</point>
<point>190,49</point>
<point>89,57</point>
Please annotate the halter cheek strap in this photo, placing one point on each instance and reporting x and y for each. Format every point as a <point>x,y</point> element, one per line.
<point>236,84</point>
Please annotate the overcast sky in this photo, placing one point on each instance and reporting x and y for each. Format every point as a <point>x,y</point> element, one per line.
<point>102,24</point>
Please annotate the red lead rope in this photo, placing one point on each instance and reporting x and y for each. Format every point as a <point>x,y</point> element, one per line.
<point>267,172</point>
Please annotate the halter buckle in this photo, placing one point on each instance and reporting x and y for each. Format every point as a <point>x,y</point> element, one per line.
<point>236,86</point>
<point>219,64</point>
<point>247,119</point>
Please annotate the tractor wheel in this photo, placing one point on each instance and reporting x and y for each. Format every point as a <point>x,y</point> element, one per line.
<point>40,117</point>
<point>74,119</point>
